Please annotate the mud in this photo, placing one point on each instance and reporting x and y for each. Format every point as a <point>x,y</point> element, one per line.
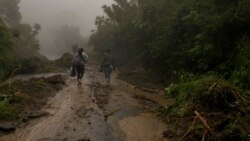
<point>93,112</point>
<point>147,126</point>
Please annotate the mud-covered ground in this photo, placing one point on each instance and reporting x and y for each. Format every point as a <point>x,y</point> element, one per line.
<point>96,112</point>
<point>23,97</point>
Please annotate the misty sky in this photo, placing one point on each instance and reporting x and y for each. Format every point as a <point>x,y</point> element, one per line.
<point>53,13</point>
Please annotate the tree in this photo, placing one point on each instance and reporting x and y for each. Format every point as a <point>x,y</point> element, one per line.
<point>7,58</point>
<point>198,36</point>
<point>115,30</point>
<point>26,42</point>
<point>9,12</point>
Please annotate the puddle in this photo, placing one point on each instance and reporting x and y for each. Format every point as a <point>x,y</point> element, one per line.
<point>143,127</point>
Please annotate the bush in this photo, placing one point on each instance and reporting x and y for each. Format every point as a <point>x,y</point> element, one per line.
<point>223,105</point>
<point>207,94</point>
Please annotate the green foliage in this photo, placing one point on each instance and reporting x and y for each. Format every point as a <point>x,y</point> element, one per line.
<point>197,35</point>
<point>240,76</point>
<point>8,112</point>
<point>206,93</point>
<point>16,39</point>
<point>171,90</point>
<point>190,35</point>
<point>9,10</point>
<point>24,35</point>
<point>193,44</point>
<point>7,58</point>
<point>209,94</point>
<point>116,31</point>
<point>242,59</point>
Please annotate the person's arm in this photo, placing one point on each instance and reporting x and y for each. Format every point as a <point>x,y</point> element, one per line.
<point>81,56</point>
<point>85,56</point>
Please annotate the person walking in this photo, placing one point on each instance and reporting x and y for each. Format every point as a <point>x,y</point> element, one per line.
<point>107,65</point>
<point>79,60</point>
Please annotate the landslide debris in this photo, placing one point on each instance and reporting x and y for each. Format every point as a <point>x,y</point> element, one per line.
<point>207,109</point>
<point>22,100</point>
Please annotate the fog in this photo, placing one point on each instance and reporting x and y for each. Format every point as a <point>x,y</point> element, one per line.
<point>51,14</point>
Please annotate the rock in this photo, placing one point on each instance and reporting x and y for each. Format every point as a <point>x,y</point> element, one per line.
<point>6,126</point>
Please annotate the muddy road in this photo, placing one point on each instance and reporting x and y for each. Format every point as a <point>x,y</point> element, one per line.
<point>94,112</point>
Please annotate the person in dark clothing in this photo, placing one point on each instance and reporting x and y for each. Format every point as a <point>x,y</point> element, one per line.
<point>107,65</point>
<point>80,58</point>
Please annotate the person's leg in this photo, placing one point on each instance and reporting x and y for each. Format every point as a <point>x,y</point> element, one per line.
<point>79,73</point>
<point>107,71</point>
<point>107,76</point>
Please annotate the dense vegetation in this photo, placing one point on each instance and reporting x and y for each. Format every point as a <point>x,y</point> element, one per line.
<point>199,36</point>
<point>17,41</point>
<point>6,58</point>
<point>200,49</point>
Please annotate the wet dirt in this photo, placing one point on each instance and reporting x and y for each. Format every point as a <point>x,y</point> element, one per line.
<point>144,127</point>
<point>93,112</point>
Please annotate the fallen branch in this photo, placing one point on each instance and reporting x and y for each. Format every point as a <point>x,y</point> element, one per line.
<point>204,135</point>
<point>146,89</point>
<point>189,130</point>
<point>203,121</point>
<point>13,73</point>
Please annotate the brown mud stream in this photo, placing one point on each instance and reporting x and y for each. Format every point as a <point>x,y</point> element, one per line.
<point>93,112</point>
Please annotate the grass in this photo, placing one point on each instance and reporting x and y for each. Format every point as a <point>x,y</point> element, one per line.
<point>8,112</point>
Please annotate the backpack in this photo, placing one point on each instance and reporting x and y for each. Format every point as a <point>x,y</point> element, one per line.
<point>77,60</point>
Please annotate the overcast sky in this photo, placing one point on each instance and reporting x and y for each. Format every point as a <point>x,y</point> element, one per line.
<point>53,13</point>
